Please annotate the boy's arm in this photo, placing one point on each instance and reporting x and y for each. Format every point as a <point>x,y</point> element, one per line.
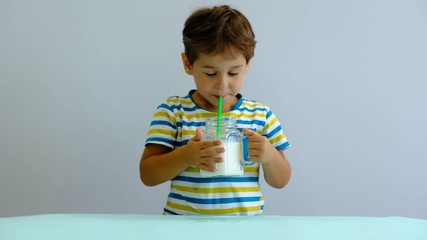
<point>277,170</point>
<point>160,163</point>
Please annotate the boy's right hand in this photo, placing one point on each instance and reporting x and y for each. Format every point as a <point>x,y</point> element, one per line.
<point>204,154</point>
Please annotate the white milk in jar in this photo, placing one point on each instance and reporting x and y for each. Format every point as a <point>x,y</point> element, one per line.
<point>232,141</point>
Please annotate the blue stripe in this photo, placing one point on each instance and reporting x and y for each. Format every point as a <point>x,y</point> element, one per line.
<point>163,123</point>
<point>180,144</point>
<point>158,139</point>
<point>276,130</point>
<point>165,106</point>
<point>192,109</point>
<point>170,212</point>
<point>251,122</point>
<point>214,201</point>
<point>283,146</point>
<point>179,124</point>
<point>262,109</point>
<point>193,124</point>
<point>216,179</point>
<point>178,107</point>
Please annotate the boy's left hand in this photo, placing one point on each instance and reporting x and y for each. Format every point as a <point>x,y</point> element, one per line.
<point>260,149</point>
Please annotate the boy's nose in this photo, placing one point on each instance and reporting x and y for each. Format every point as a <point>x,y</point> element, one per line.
<point>222,81</point>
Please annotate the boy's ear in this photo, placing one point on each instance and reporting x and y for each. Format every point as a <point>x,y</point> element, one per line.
<point>188,68</point>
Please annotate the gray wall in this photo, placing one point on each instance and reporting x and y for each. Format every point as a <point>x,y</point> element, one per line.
<point>79,81</point>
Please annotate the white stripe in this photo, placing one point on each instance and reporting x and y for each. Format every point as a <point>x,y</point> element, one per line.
<point>216,206</point>
<point>197,174</point>
<point>215,185</point>
<point>216,195</point>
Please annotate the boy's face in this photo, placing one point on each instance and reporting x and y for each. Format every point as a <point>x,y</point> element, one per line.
<point>215,76</point>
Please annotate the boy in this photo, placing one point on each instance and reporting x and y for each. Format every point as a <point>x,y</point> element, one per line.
<point>219,44</point>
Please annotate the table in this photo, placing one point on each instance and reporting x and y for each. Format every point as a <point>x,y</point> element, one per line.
<point>141,227</point>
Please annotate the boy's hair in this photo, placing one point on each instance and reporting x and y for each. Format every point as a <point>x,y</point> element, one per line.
<point>216,30</point>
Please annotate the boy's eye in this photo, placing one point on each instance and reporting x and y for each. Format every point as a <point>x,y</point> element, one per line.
<point>214,74</point>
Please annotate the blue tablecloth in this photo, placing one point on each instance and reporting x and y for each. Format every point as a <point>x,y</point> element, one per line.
<point>128,226</point>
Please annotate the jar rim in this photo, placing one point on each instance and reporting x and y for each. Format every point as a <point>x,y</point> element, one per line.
<point>224,120</point>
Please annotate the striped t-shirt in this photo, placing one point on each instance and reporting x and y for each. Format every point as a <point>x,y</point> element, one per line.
<point>175,123</point>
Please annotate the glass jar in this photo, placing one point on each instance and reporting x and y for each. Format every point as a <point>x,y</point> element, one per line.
<point>232,141</point>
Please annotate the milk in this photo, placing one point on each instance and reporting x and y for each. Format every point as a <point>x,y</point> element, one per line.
<point>232,164</point>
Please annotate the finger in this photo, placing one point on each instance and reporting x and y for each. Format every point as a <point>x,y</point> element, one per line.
<point>248,132</point>
<point>210,143</point>
<point>212,160</point>
<point>254,158</point>
<point>208,167</point>
<point>218,159</point>
<point>211,151</point>
<point>199,135</point>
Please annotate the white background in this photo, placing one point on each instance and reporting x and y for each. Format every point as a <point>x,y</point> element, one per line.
<point>79,81</point>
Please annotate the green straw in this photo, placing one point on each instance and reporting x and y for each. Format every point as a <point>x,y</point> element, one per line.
<point>219,119</point>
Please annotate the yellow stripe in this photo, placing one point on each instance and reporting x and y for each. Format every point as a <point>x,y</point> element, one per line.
<point>180,101</point>
<point>217,190</point>
<point>272,122</point>
<point>188,132</point>
<point>214,211</point>
<point>249,104</point>
<point>161,131</point>
<point>192,169</point>
<point>199,115</point>
<point>251,169</point>
<point>278,138</point>
<point>162,114</point>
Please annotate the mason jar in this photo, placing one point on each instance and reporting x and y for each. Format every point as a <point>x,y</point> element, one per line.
<point>232,141</point>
